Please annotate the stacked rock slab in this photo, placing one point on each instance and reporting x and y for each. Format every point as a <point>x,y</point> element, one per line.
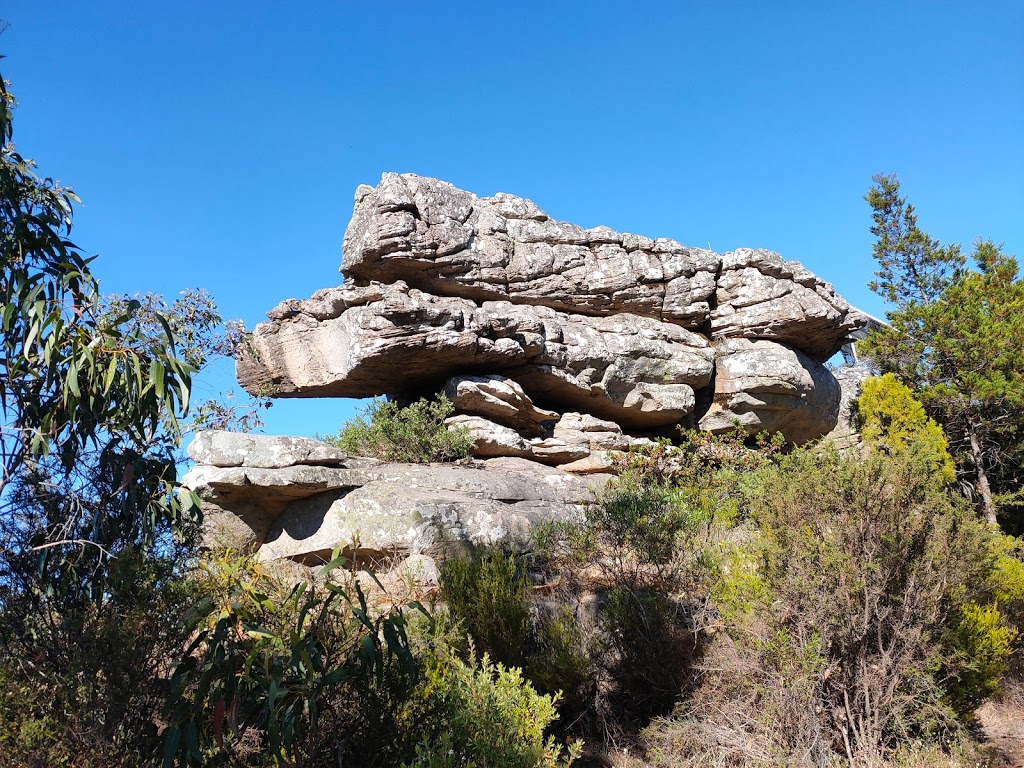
<point>533,325</point>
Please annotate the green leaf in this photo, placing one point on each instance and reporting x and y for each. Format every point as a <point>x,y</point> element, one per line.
<point>108,377</point>
<point>172,739</point>
<point>156,376</point>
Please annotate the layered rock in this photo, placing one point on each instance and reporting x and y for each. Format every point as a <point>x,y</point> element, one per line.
<point>359,342</point>
<point>442,284</point>
<point>374,509</point>
<point>559,347</point>
<point>765,386</point>
<point>447,241</point>
<point>574,437</point>
<point>760,296</point>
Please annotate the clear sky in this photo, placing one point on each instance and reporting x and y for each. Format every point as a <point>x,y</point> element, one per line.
<point>218,144</point>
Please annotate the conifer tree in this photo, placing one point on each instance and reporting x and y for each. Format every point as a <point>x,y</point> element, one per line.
<point>957,340</point>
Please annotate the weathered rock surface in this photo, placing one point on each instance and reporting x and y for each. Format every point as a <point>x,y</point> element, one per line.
<point>558,346</point>
<point>499,399</point>
<point>304,512</point>
<point>761,296</point>
<point>447,241</point>
<point>219,448</point>
<point>491,439</point>
<point>851,378</point>
<point>575,437</point>
<point>764,385</point>
<point>638,371</point>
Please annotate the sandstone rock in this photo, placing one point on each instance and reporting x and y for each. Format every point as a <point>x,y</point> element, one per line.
<point>491,439</point>
<point>763,297</point>
<point>560,450</point>
<point>447,241</point>
<point>638,371</point>
<point>764,385</point>
<point>498,399</point>
<point>304,512</point>
<point>599,434</point>
<point>219,448</point>
<point>846,435</point>
<point>598,461</point>
<point>256,496</point>
<point>383,519</point>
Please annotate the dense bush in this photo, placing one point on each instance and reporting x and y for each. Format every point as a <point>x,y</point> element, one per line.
<point>488,716</point>
<point>648,550</point>
<point>486,591</point>
<point>893,421</point>
<point>271,666</point>
<point>416,433</point>
<point>865,631</point>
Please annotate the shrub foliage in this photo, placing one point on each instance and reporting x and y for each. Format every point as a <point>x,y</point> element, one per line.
<point>415,433</point>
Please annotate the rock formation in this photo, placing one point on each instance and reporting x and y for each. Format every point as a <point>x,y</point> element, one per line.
<point>298,498</point>
<point>557,345</point>
<point>647,333</point>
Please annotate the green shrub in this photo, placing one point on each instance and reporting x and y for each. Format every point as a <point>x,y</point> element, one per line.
<point>863,631</point>
<point>982,644</point>
<point>645,549</point>
<point>82,676</point>
<point>416,433</point>
<point>560,661</point>
<point>272,667</point>
<point>488,594</point>
<point>487,716</point>
<point>893,421</point>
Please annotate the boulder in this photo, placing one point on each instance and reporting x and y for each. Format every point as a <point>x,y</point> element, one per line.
<point>635,370</point>
<point>761,296</point>
<point>767,386</point>
<point>491,439</point>
<point>499,399</point>
<point>450,242</point>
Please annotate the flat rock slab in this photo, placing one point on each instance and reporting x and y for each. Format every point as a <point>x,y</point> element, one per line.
<point>219,448</point>
<point>306,511</point>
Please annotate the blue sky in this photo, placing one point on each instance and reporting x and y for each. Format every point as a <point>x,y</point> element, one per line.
<point>218,144</point>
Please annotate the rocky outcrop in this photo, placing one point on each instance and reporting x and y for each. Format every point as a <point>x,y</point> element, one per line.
<point>446,241</point>
<point>851,378</point>
<point>574,437</point>
<point>524,318</point>
<point>559,347</point>
<point>760,296</point>
<point>359,342</point>
<point>303,511</point>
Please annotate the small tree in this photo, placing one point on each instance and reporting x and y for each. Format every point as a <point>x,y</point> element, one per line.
<point>92,527</point>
